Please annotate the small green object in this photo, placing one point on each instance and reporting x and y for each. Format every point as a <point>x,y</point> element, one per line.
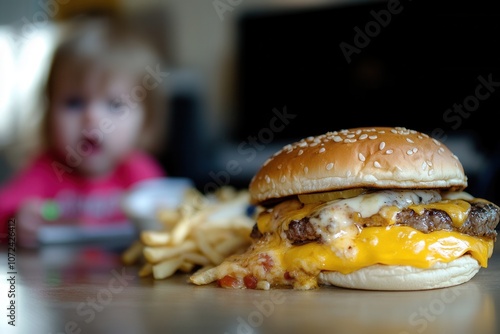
<point>50,210</point>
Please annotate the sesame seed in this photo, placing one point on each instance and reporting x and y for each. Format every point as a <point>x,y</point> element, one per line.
<point>415,150</point>
<point>409,140</point>
<point>424,165</point>
<point>409,152</point>
<point>381,131</point>
<point>381,146</point>
<point>373,137</point>
<point>420,137</point>
<point>429,163</point>
<point>394,131</point>
<point>363,136</point>
<point>431,171</point>
<point>306,170</point>
<point>300,152</point>
<point>389,151</point>
<point>329,166</point>
<point>303,144</point>
<point>313,144</point>
<point>268,179</point>
<point>350,135</point>
<point>347,140</point>
<point>337,139</point>
<point>377,164</point>
<point>436,142</point>
<point>361,157</point>
<point>349,173</point>
<point>280,166</point>
<point>321,150</point>
<point>358,132</point>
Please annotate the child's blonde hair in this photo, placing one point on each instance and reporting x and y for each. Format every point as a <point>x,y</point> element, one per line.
<point>110,46</point>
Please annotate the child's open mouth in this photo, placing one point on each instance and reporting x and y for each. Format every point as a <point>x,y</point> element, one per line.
<point>92,146</point>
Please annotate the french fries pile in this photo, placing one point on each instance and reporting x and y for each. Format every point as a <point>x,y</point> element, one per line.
<point>199,233</point>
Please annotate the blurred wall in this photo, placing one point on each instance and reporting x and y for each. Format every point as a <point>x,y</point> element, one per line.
<point>197,38</point>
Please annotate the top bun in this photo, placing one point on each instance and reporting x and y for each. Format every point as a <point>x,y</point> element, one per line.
<point>380,157</point>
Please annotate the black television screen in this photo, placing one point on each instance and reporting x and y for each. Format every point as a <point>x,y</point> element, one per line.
<point>433,67</point>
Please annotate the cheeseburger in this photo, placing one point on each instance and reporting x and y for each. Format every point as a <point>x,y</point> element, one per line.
<point>365,208</point>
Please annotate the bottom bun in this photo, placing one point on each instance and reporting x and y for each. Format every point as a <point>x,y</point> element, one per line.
<point>384,277</point>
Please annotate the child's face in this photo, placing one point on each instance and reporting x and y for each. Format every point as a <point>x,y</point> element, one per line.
<point>93,126</point>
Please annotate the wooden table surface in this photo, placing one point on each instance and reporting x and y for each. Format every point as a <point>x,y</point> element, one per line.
<point>86,289</point>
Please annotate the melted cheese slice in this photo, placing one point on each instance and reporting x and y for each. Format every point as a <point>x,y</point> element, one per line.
<point>352,248</point>
<point>391,245</point>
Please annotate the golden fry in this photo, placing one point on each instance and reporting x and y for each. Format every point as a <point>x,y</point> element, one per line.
<point>202,231</point>
<point>207,249</point>
<point>204,276</point>
<point>132,253</point>
<point>157,254</point>
<point>146,270</point>
<point>155,238</point>
<point>166,268</point>
<point>196,258</point>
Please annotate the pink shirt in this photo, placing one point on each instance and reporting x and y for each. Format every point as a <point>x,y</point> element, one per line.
<point>85,201</point>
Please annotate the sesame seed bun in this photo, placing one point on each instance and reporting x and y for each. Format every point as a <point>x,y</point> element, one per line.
<point>380,157</point>
<point>383,277</point>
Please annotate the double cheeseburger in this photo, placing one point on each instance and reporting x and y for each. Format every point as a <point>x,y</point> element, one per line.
<point>365,208</point>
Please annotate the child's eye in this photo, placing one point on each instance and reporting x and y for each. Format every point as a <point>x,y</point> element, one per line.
<point>74,103</point>
<point>116,105</point>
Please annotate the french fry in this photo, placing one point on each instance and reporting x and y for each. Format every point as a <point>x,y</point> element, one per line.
<point>196,258</point>
<point>229,246</point>
<point>146,270</point>
<point>157,254</point>
<point>186,266</point>
<point>204,276</point>
<point>166,268</point>
<point>207,249</point>
<point>181,230</point>
<point>168,217</point>
<point>132,253</point>
<point>201,232</point>
<point>155,238</point>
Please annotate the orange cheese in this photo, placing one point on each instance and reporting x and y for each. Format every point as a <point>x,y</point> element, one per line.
<point>391,245</point>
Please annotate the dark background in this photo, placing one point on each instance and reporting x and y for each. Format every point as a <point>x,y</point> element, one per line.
<point>428,58</point>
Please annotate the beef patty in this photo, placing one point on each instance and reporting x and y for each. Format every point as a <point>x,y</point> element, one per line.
<point>482,220</point>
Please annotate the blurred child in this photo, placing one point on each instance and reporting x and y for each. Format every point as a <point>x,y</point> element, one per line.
<point>104,105</point>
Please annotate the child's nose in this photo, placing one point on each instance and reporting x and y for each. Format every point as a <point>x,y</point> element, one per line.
<point>92,115</point>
